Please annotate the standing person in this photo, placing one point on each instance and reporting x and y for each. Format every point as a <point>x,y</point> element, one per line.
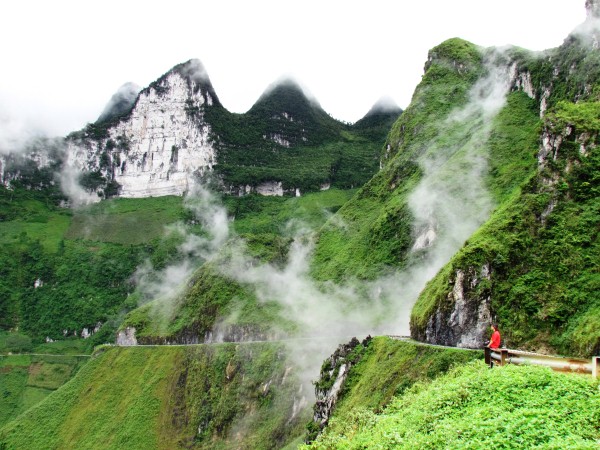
<point>494,341</point>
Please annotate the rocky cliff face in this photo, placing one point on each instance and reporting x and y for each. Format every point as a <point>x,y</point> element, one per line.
<point>508,275</point>
<point>465,323</point>
<point>334,373</point>
<point>160,147</point>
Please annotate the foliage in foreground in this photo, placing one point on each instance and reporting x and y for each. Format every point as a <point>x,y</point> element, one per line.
<point>473,407</point>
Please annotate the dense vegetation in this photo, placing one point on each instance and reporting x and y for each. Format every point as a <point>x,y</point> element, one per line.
<point>541,243</point>
<point>287,137</point>
<point>386,368</point>
<point>377,232</point>
<point>473,407</point>
<point>540,240</point>
<point>48,252</point>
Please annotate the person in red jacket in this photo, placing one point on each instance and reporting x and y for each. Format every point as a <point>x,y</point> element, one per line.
<point>494,341</point>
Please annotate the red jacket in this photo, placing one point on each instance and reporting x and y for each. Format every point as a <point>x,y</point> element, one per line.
<point>495,342</point>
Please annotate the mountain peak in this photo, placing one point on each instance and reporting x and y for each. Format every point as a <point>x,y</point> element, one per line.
<point>121,102</point>
<point>383,113</point>
<point>196,77</point>
<point>384,105</point>
<point>288,110</point>
<point>287,91</point>
<point>193,70</point>
<point>593,9</point>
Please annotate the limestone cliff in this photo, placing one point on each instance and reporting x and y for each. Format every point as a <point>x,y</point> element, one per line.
<point>159,147</point>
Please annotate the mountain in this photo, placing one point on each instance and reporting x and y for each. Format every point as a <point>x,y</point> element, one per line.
<point>484,208</point>
<point>120,103</point>
<point>489,189</point>
<point>157,146</point>
<point>286,111</point>
<point>176,131</point>
<point>384,108</point>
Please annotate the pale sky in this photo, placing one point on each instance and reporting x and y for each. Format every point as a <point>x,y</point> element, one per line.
<point>62,60</point>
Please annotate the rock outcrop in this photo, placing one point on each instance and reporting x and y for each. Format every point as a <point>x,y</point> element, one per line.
<point>465,321</point>
<point>334,373</point>
<point>161,145</point>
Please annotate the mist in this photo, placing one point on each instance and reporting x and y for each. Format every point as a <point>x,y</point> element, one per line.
<point>162,289</point>
<point>449,203</point>
<point>16,135</point>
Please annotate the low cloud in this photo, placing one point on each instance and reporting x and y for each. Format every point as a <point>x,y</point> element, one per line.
<point>16,135</point>
<point>164,288</point>
<point>70,185</point>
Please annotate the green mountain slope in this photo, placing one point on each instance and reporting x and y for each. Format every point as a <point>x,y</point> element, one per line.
<point>198,397</point>
<point>377,231</point>
<point>287,137</point>
<point>530,182</point>
<point>534,263</point>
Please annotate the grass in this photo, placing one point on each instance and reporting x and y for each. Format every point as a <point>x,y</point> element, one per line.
<point>386,368</point>
<point>389,367</point>
<point>170,397</point>
<point>26,380</point>
<point>50,231</point>
<point>473,407</point>
<point>256,214</point>
<point>126,221</point>
<point>64,347</point>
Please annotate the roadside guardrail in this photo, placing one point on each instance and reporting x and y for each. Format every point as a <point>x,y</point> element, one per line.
<point>503,356</point>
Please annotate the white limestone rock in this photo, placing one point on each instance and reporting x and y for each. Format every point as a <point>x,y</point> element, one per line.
<point>160,148</point>
<point>127,337</point>
<point>272,188</point>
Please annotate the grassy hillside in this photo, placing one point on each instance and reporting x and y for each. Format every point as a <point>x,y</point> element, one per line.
<point>540,247</point>
<point>171,397</point>
<point>126,221</point>
<point>26,380</point>
<point>377,221</point>
<point>473,407</point>
<point>266,225</point>
<point>388,367</point>
<point>381,369</point>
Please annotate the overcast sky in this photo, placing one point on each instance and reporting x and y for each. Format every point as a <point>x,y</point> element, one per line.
<point>62,60</point>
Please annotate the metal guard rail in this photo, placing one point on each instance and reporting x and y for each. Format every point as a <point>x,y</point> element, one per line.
<point>503,356</point>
